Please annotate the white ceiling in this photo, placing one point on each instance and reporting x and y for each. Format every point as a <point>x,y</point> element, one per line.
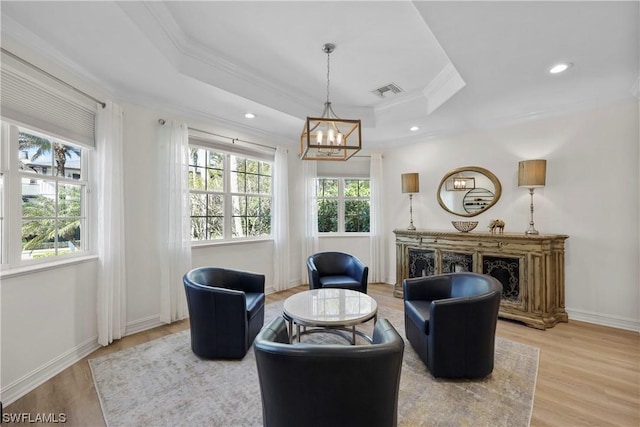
<point>462,65</point>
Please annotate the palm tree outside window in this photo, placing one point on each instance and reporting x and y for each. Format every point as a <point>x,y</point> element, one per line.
<point>52,193</point>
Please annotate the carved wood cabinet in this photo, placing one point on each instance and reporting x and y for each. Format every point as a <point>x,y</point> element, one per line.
<point>530,268</point>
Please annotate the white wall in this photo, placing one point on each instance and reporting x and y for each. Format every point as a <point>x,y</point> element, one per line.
<point>591,194</point>
<point>48,323</point>
<point>141,195</point>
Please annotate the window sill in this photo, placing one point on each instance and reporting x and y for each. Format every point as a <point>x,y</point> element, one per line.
<point>230,242</point>
<point>9,272</point>
<point>344,234</point>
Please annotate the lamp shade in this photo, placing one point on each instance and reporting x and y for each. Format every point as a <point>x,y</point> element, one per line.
<point>410,183</point>
<point>532,173</point>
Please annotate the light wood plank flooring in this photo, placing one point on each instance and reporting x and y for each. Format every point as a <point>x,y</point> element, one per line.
<point>588,375</point>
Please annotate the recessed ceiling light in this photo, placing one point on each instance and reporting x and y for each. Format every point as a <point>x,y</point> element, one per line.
<point>560,67</point>
<point>414,128</point>
<point>249,115</point>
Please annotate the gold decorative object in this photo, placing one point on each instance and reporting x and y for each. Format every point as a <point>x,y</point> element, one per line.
<point>461,202</point>
<point>464,226</point>
<point>496,226</point>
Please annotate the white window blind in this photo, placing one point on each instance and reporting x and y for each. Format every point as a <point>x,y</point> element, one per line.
<point>356,167</point>
<point>25,101</point>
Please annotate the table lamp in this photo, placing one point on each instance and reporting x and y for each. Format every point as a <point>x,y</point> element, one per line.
<point>532,174</point>
<point>410,184</point>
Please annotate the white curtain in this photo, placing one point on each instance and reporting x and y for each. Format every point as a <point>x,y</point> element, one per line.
<point>174,235</point>
<point>377,265</point>
<point>310,234</point>
<point>280,220</point>
<point>111,298</point>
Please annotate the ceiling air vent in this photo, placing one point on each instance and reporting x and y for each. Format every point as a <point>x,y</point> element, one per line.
<point>383,91</point>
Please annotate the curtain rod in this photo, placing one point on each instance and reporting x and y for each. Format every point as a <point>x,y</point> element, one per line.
<point>233,140</point>
<point>35,67</point>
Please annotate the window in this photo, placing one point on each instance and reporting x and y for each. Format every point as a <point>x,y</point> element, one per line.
<point>343,205</point>
<point>44,194</point>
<point>230,195</point>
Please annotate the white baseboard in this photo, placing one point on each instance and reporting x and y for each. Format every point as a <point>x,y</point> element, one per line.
<point>30,381</point>
<point>604,319</point>
<point>33,379</point>
<point>143,324</point>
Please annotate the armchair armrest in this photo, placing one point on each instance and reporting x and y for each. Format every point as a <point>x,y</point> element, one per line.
<point>427,288</point>
<point>216,302</point>
<point>251,283</point>
<point>314,275</point>
<point>385,333</point>
<point>473,315</point>
<point>276,331</point>
<point>358,270</point>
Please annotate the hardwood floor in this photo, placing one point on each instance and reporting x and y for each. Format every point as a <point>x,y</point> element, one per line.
<point>588,375</point>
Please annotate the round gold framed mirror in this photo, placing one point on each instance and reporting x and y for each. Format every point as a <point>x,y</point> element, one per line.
<point>469,191</point>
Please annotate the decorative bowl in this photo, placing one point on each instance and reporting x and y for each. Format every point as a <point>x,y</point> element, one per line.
<point>464,226</point>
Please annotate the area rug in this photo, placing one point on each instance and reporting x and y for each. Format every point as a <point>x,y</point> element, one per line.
<point>162,383</point>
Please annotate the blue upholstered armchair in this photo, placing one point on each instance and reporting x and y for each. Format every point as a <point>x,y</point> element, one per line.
<point>337,270</point>
<point>450,321</point>
<point>226,311</point>
<point>329,384</point>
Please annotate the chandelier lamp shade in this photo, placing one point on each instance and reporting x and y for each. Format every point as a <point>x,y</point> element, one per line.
<point>329,137</point>
<point>532,174</point>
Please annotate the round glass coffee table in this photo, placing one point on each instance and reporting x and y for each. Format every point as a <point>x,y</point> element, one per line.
<point>329,310</point>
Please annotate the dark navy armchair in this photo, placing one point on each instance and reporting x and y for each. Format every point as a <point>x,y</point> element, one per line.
<point>226,311</point>
<point>450,321</point>
<point>329,384</point>
<point>337,270</point>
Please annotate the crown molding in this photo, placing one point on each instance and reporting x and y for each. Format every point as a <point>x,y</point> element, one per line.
<point>446,84</point>
<point>211,66</point>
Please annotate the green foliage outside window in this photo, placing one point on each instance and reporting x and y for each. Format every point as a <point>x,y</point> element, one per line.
<point>51,209</point>
<point>356,205</point>
<point>42,228</point>
<point>251,199</point>
<point>327,216</point>
<point>347,198</point>
<point>248,194</point>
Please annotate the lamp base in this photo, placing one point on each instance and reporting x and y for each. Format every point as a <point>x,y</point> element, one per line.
<point>531,231</point>
<point>411,227</point>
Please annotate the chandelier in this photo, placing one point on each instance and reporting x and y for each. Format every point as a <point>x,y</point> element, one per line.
<point>329,137</point>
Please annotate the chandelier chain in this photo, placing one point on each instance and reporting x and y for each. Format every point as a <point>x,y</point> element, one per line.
<point>328,68</point>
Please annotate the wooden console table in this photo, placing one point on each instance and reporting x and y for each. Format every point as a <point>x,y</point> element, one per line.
<point>530,268</point>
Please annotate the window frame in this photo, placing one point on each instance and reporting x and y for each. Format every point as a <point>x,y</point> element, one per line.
<point>341,198</point>
<point>228,194</point>
<point>11,253</point>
